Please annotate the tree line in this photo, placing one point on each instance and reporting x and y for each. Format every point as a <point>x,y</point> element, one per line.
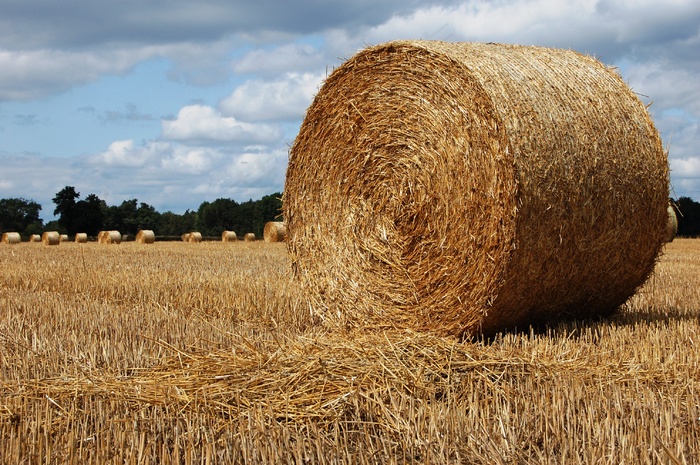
<point>92,214</point>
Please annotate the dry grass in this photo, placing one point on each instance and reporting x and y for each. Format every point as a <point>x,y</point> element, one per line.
<point>163,354</point>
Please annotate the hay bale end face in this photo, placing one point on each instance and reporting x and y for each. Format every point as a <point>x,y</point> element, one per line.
<point>81,238</point>
<point>11,238</point>
<point>51,238</point>
<point>461,188</point>
<point>275,231</point>
<point>229,236</point>
<point>145,236</point>
<point>249,237</point>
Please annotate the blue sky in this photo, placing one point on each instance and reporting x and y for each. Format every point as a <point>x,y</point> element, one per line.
<point>176,102</point>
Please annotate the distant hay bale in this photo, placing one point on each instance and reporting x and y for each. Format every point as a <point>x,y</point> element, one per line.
<point>35,238</point>
<point>229,236</point>
<point>11,238</point>
<point>275,231</point>
<point>249,237</point>
<point>81,238</point>
<point>101,236</point>
<point>145,236</point>
<point>185,237</point>
<point>64,238</point>
<point>671,224</point>
<point>51,238</point>
<point>194,237</point>
<point>461,188</point>
<point>111,237</point>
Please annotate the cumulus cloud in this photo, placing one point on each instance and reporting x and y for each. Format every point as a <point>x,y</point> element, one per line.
<point>283,99</point>
<point>204,123</point>
<point>281,59</point>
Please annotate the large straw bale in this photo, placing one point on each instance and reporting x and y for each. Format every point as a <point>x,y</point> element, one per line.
<point>671,225</point>
<point>111,237</point>
<point>465,187</point>
<point>194,236</point>
<point>249,237</point>
<point>229,236</point>
<point>81,238</point>
<point>274,231</point>
<point>11,238</point>
<point>51,238</point>
<point>145,236</point>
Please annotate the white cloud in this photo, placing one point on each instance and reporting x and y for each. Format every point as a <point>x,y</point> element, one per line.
<point>686,167</point>
<point>284,99</point>
<point>204,123</point>
<point>284,58</point>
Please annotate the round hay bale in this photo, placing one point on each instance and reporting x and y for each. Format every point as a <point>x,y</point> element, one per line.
<point>145,236</point>
<point>249,237</point>
<point>185,237</point>
<point>194,237</point>
<point>274,231</point>
<point>81,238</point>
<point>460,188</point>
<point>671,224</point>
<point>11,238</point>
<point>35,238</point>
<point>101,237</point>
<point>51,238</point>
<point>111,237</point>
<point>64,237</point>
<point>229,236</point>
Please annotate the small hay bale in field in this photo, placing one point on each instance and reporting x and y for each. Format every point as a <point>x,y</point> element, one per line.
<point>229,236</point>
<point>64,237</point>
<point>51,238</point>
<point>249,237</point>
<point>35,238</point>
<point>671,224</point>
<point>145,236</point>
<point>460,188</point>
<point>11,238</point>
<point>101,236</point>
<point>81,238</point>
<point>185,237</point>
<point>194,237</point>
<point>111,237</point>
<point>275,231</point>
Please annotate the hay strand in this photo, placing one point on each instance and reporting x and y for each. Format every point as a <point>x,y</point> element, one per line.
<point>145,236</point>
<point>51,238</point>
<point>81,238</point>
<point>275,231</point>
<point>229,236</point>
<point>249,237</point>
<point>462,188</point>
<point>11,238</point>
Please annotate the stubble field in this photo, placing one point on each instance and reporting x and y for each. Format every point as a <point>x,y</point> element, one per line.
<point>206,353</point>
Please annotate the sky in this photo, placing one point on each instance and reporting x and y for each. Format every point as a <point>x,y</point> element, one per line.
<point>177,102</point>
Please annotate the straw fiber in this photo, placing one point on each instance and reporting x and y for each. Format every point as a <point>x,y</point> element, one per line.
<point>145,236</point>
<point>51,238</point>
<point>460,188</point>
<point>11,238</point>
<point>274,231</point>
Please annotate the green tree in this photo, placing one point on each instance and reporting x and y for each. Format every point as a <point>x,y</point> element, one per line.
<point>215,217</point>
<point>66,210</point>
<point>688,217</point>
<point>20,215</point>
<point>90,215</point>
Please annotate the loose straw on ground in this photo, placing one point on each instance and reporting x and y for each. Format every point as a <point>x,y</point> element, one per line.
<point>460,188</point>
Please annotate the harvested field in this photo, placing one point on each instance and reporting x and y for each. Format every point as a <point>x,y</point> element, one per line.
<point>186,359</point>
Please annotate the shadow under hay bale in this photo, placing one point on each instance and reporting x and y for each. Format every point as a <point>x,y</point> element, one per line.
<point>462,188</point>
<point>274,231</point>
